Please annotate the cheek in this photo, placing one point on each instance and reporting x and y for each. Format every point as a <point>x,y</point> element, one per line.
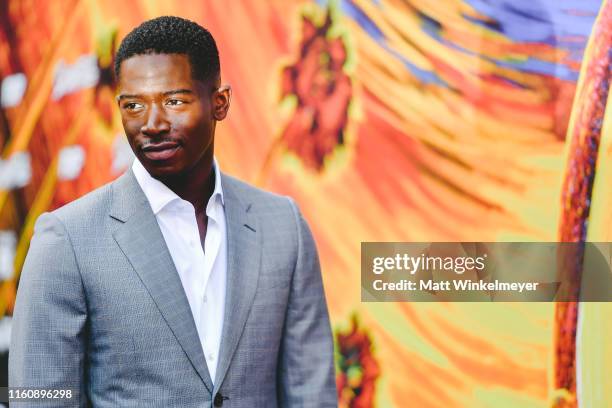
<point>194,125</point>
<point>131,125</point>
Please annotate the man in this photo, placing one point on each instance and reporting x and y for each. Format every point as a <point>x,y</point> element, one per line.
<point>175,285</point>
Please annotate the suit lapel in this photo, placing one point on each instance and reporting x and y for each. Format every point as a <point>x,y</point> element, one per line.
<point>143,244</point>
<point>243,262</point>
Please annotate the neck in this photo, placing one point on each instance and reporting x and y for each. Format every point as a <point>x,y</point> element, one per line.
<point>196,185</point>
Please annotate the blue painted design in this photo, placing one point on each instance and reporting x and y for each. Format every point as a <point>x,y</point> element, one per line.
<point>564,24</point>
<point>351,10</point>
<point>540,67</point>
<point>546,21</point>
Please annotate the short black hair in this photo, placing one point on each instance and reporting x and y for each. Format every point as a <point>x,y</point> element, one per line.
<point>173,35</point>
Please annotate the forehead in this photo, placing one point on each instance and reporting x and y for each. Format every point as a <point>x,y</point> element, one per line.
<point>153,73</point>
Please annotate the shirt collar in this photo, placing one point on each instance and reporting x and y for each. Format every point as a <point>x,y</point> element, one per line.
<point>159,196</point>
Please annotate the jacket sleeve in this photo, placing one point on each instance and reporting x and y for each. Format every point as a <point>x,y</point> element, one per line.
<point>306,363</point>
<point>47,348</point>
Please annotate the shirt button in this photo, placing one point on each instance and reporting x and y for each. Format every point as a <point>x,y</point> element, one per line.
<point>205,298</point>
<point>211,357</point>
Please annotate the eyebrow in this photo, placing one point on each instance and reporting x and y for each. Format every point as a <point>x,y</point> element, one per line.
<point>167,93</point>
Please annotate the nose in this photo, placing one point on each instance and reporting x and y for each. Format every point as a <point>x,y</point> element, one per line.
<point>156,122</point>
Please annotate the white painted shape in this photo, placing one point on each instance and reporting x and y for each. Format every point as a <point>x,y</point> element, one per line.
<point>123,156</point>
<point>8,243</point>
<point>5,333</point>
<point>70,162</point>
<point>15,172</point>
<point>12,90</point>
<point>84,73</point>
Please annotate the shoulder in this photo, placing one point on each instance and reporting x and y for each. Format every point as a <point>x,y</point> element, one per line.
<point>89,210</point>
<point>262,202</point>
<point>87,205</point>
<point>277,212</point>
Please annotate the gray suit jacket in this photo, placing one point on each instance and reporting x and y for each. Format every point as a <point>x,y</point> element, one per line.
<point>101,310</point>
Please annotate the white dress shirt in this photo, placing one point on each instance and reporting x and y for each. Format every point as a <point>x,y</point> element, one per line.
<point>202,271</point>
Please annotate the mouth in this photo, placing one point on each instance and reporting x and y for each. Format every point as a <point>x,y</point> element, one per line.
<point>160,151</point>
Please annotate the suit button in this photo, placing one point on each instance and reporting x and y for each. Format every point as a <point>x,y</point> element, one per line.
<point>218,400</point>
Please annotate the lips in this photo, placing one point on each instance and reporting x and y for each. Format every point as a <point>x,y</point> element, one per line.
<point>160,151</point>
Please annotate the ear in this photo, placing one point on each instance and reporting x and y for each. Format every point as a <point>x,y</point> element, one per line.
<point>221,101</point>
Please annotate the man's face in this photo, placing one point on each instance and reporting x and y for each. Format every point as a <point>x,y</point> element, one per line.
<point>169,117</point>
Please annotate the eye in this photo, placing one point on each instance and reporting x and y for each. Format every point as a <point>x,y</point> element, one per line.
<point>132,106</point>
<point>174,102</point>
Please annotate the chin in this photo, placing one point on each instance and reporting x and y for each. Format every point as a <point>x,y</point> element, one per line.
<point>163,171</point>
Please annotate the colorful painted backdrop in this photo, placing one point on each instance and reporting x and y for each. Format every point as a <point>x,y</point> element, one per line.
<point>387,120</point>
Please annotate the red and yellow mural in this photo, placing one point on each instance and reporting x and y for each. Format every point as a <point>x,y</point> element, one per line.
<point>387,120</point>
